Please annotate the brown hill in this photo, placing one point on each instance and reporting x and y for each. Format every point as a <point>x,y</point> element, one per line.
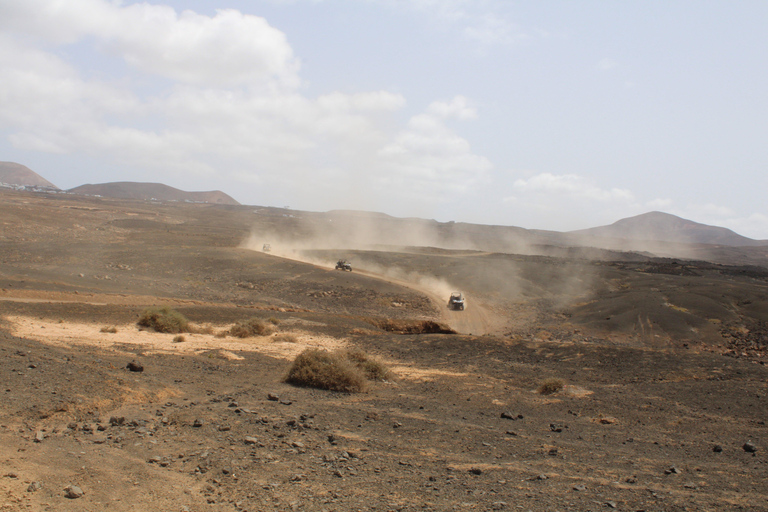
<point>16,174</point>
<point>664,227</point>
<point>151,191</point>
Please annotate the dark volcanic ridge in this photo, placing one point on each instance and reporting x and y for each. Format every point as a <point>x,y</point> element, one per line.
<point>151,191</point>
<point>664,227</point>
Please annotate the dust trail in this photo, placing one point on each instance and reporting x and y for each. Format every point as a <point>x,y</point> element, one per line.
<point>475,319</point>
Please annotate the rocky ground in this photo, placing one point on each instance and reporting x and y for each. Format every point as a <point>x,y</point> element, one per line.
<point>663,365</point>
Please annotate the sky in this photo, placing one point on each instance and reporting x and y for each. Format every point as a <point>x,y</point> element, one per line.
<point>556,115</point>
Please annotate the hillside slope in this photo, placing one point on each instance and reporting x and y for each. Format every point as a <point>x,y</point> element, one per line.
<point>148,191</point>
<point>12,173</point>
<point>664,227</point>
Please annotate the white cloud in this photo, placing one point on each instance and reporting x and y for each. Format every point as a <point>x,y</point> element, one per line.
<point>570,186</point>
<point>480,21</point>
<point>429,160</point>
<point>228,49</point>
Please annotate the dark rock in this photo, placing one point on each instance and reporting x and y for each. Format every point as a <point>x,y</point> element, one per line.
<point>135,367</point>
<point>35,486</point>
<point>672,470</point>
<point>475,471</point>
<point>116,421</point>
<point>749,447</point>
<point>197,423</point>
<point>273,397</point>
<point>717,448</point>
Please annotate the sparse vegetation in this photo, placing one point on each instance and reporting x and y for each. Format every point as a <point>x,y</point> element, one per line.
<point>286,338</point>
<point>251,327</point>
<point>273,320</point>
<point>373,368</point>
<point>179,339</point>
<point>364,332</point>
<point>551,386</point>
<point>342,370</point>
<point>164,319</point>
<point>410,326</point>
<point>109,328</point>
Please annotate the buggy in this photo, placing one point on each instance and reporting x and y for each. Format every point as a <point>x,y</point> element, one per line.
<point>456,302</point>
<point>344,265</point>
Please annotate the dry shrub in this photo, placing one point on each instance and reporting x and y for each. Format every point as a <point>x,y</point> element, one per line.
<point>372,367</point>
<point>551,386</point>
<point>273,320</point>
<point>326,370</point>
<point>364,332</point>
<point>410,326</point>
<point>200,329</point>
<point>163,319</point>
<point>286,338</point>
<point>110,329</point>
<point>221,334</point>
<point>179,339</point>
<point>251,327</point>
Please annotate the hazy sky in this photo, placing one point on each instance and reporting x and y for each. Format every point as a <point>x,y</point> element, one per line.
<point>541,114</point>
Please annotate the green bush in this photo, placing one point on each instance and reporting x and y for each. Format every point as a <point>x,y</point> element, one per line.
<point>251,327</point>
<point>326,370</point>
<point>551,386</point>
<point>164,319</point>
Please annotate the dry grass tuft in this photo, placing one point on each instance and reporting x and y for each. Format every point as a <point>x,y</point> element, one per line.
<point>110,329</point>
<point>286,338</point>
<point>371,367</point>
<point>251,327</point>
<point>551,386</point>
<point>179,339</point>
<point>326,370</point>
<point>163,319</point>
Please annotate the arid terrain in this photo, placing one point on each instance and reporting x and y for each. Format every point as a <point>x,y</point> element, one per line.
<point>661,360</point>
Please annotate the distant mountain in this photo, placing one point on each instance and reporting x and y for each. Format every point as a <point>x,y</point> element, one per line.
<point>664,227</point>
<point>150,191</point>
<point>18,175</point>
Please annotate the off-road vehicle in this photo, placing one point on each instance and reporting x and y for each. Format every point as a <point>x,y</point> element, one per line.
<point>344,265</point>
<point>456,302</point>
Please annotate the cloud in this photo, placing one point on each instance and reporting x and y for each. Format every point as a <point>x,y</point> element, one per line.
<point>479,21</point>
<point>428,160</point>
<point>228,49</point>
<point>569,186</point>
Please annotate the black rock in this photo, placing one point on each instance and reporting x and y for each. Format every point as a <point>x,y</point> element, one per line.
<point>749,447</point>
<point>135,367</point>
<point>717,448</point>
